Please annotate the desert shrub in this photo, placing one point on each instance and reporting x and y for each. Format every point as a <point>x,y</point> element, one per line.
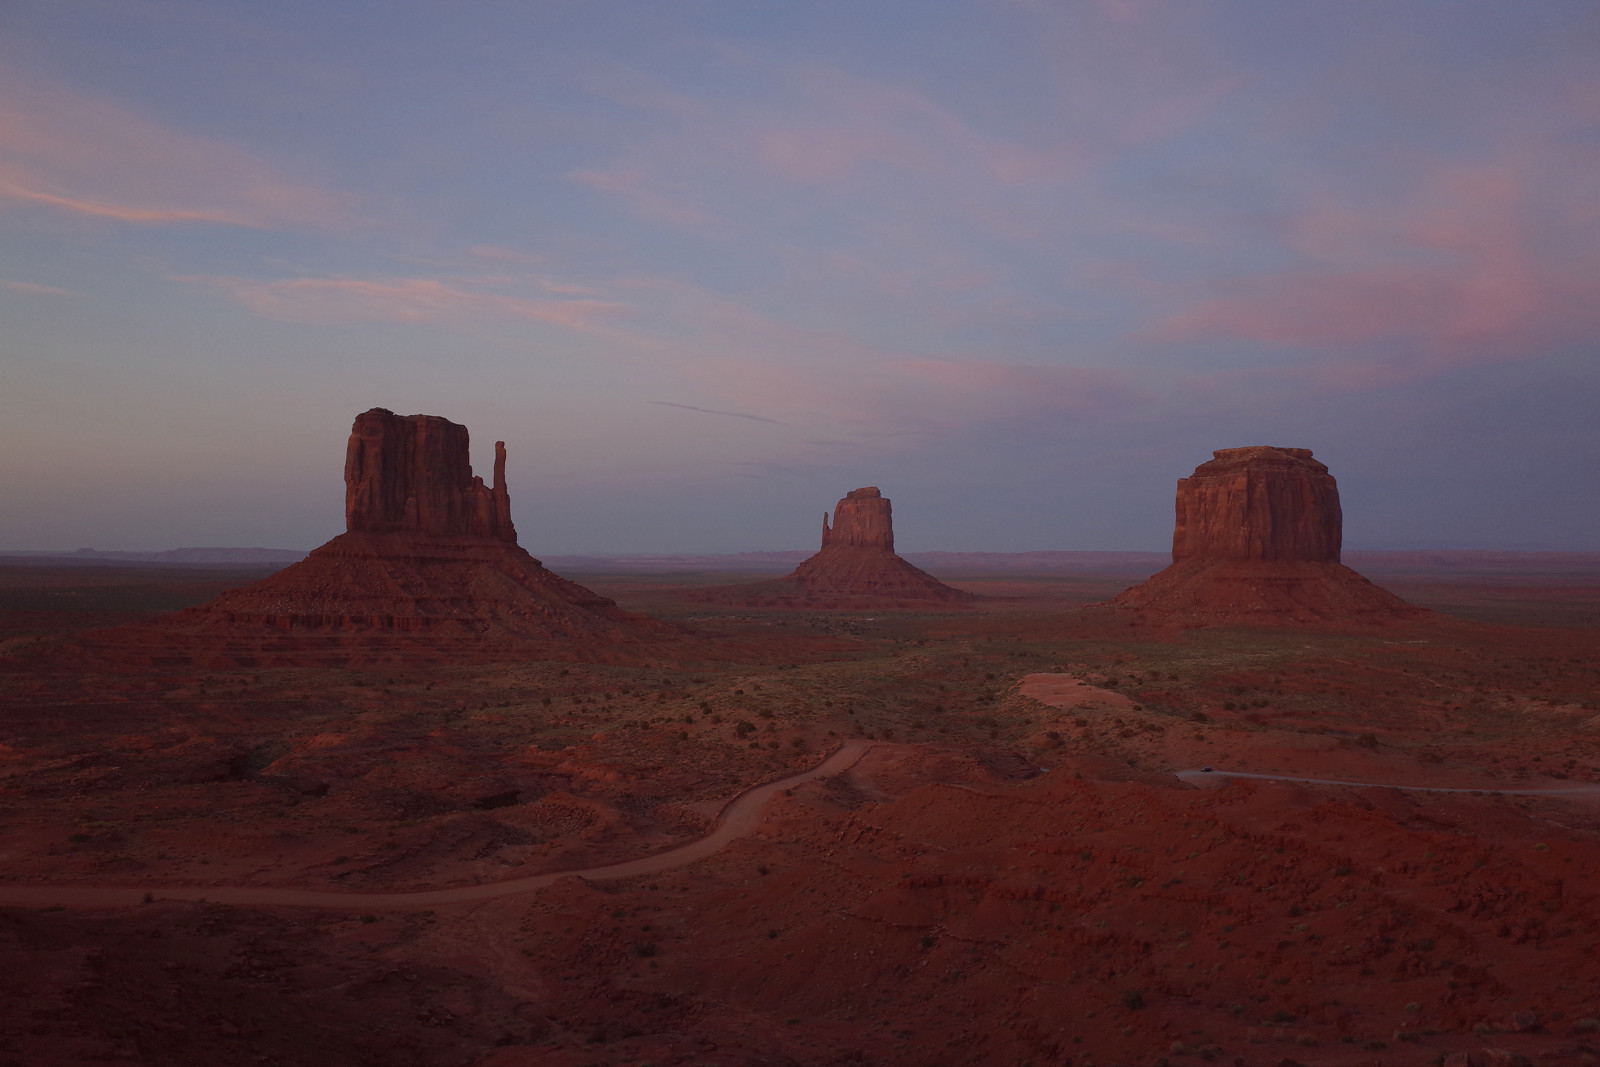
<point>1133,999</point>
<point>743,728</point>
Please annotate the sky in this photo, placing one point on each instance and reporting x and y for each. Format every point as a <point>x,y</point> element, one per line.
<point>706,266</point>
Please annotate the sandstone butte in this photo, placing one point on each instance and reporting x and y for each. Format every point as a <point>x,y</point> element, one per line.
<point>856,566</point>
<point>1257,540</point>
<point>429,567</point>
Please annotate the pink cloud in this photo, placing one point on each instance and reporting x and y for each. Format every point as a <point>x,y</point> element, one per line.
<point>33,287</point>
<point>507,255</point>
<point>1310,309</point>
<point>96,158</point>
<point>635,89</point>
<point>992,388</point>
<point>812,377</point>
<point>1124,10</point>
<point>823,155</point>
<point>1463,270</point>
<point>894,396</point>
<point>632,188</point>
<point>20,188</point>
<point>842,121</point>
<point>402,300</point>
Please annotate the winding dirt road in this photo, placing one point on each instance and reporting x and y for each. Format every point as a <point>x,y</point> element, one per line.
<point>737,819</point>
<point>1197,776</point>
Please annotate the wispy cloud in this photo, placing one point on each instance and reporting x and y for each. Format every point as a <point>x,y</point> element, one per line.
<point>710,411</point>
<point>403,300</point>
<point>818,379</point>
<point>1471,264</point>
<point>33,287</point>
<point>89,156</point>
<point>635,190</point>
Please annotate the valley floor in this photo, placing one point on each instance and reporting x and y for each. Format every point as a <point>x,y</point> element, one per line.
<point>1011,873</point>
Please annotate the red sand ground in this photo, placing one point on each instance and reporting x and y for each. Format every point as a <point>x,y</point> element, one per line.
<point>1013,875</point>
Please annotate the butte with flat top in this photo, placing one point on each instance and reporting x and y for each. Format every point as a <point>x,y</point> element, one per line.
<point>856,567</point>
<point>1257,541</point>
<point>429,567</point>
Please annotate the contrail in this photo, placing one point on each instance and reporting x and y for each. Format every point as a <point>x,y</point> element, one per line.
<point>708,411</point>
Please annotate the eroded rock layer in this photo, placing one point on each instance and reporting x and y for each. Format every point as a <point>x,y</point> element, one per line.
<point>856,566</point>
<point>1256,540</point>
<point>429,568</point>
<point>413,472</point>
<point>863,519</point>
<point>1260,503</point>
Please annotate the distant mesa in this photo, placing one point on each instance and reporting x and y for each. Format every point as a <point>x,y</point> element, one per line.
<point>429,568</point>
<point>856,567</point>
<point>1257,540</point>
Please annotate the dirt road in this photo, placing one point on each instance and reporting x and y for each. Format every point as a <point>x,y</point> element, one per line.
<point>737,819</point>
<point>1197,776</point>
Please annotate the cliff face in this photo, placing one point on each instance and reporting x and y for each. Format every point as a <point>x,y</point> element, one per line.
<point>1258,503</point>
<point>413,473</point>
<point>863,519</point>
<point>1256,542</point>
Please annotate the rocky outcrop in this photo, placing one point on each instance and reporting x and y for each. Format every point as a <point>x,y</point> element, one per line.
<point>856,567</point>
<point>412,473</point>
<point>1256,541</point>
<point>429,568</point>
<point>863,519</point>
<point>1258,503</point>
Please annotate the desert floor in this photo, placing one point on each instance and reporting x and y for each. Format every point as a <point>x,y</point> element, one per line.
<point>1003,867</point>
